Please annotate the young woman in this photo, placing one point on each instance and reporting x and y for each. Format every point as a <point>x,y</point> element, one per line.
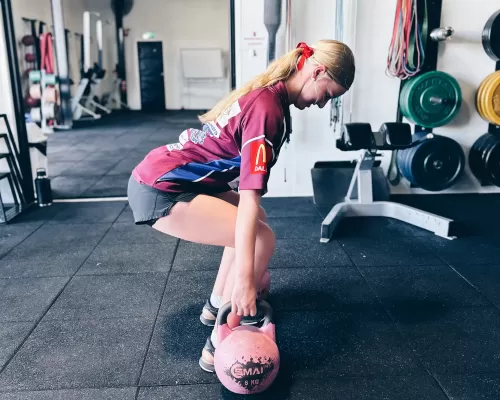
<point>184,189</point>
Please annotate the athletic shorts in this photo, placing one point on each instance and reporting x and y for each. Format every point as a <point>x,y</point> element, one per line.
<point>149,204</point>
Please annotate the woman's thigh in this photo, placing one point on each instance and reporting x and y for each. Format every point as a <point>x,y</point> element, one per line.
<point>234,198</point>
<point>206,220</point>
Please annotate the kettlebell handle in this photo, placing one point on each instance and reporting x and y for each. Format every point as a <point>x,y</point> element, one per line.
<point>262,305</point>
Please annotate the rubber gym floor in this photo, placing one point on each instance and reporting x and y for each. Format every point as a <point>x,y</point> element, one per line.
<point>93,307</point>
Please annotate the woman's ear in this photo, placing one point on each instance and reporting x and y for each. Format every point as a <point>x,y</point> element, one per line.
<point>318,70</point>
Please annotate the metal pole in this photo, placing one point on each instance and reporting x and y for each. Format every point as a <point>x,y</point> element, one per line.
<point>121,72</point>
<point>66,116</point>
<point>99,42</point>
<point>232,32</point>
<point>17,97</point>
<point>86,41</point>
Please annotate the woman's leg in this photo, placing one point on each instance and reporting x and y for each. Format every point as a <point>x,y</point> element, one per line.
<point>211,220</point>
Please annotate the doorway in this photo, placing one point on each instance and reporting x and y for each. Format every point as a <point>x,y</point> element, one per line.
<point>151,76</point>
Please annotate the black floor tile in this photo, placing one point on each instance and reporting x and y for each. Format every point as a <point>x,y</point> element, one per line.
<point>87,167</point>
<point>70,187</point>
<point>308,253</point>
<point>374,227</point>
<point>289,207</point>
<point>27,299</point>
<point>114,296</point>
<point>468,250</point>
<point>126,165</point>
<point>73,394</point>
<point>129,258</point>
<point>296,227</point>
<point>174,352</point>
<point>196,257</point>
<point>56,168</point>
<point>323,345</point>
<point>128,232</point>
<point>126,216</point>
<point>399,250</point>
<point>88,213</point>
<point>187,291</point>
<point>79,354</point>
<point>394,388</point>
<point>65,236</point>
<point>454,340</point>
<point>12,335</point>
<point>39,215</point>
<point>32,260</point>
<point>181,392</point>
<point>486,278</point>
<point>417,288</point>
<point>320,289</point>
<point>471,387</point>
<point>109,186</point>
<point>12,235</point>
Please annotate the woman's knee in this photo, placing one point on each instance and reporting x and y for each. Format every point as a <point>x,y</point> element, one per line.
<point>262,214</point>
<point>266,236</point>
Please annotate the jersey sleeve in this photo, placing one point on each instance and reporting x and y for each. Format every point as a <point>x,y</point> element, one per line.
<point>261,124</point>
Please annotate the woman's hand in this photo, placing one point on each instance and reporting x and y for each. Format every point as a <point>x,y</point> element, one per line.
<point>244,297</point>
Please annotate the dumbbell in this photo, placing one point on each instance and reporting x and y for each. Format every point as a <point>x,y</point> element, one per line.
<point>359,135</point>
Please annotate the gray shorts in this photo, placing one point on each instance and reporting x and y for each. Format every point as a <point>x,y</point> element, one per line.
<point>149,204</point>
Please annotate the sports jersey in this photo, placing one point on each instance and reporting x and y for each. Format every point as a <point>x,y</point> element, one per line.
<point>237,150</point>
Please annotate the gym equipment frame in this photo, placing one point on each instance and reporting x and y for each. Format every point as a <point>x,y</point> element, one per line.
<point>359,199</point>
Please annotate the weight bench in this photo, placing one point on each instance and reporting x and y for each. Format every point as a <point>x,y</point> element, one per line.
<point>359,199</point>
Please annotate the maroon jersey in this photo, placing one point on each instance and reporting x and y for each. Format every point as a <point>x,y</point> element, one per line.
<point>238,149</point>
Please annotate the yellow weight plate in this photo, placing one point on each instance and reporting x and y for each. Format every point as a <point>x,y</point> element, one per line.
<point>491,106</point>
<point>480,93</point>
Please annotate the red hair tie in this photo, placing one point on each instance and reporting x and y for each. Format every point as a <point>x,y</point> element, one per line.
<point>306,53</point>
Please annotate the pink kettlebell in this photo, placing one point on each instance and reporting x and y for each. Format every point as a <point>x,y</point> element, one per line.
<point>246,358</point>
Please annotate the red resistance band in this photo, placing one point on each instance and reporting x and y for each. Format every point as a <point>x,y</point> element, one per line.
<point>47,53</point>
<point>306,53</point>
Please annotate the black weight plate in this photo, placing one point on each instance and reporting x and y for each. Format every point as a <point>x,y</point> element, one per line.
<point>491,37</point>
<point>438,163</point>
<point>477,158</point>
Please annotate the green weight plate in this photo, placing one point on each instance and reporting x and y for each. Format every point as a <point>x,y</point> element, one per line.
<point>433,99</point>
<point>404,96</point>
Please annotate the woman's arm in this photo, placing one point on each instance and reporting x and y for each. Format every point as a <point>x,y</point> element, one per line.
<point>244,294</point>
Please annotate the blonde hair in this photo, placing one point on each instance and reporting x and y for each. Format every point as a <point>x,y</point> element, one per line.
<point>334,55</point>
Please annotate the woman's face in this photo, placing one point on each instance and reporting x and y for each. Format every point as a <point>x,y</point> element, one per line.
<point>318,89</point>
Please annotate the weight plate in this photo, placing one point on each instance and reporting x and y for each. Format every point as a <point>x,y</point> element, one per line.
<point>433,99</point>
<point>434,165</point>
<point>484,159</point>
<point>491,105</point>
<point>491,37</point>
<point>479,96</point>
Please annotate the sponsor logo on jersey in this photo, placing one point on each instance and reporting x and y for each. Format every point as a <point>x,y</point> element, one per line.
<point>196,136</point>
<point>184,137</point>
<point>258,158</point>
<point>174,146</point>
<point>211,129</point>
<point>229,113</point>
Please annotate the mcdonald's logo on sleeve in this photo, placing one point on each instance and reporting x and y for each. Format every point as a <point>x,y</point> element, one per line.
<point>258,158</point>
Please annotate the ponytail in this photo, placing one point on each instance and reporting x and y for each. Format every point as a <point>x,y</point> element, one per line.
<point>335,56</point>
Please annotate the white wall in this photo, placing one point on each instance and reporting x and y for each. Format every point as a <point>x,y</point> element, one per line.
<point>178,24</point>
<point>374,95</point>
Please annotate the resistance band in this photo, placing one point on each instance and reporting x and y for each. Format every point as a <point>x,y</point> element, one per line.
<point>408,41</point>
